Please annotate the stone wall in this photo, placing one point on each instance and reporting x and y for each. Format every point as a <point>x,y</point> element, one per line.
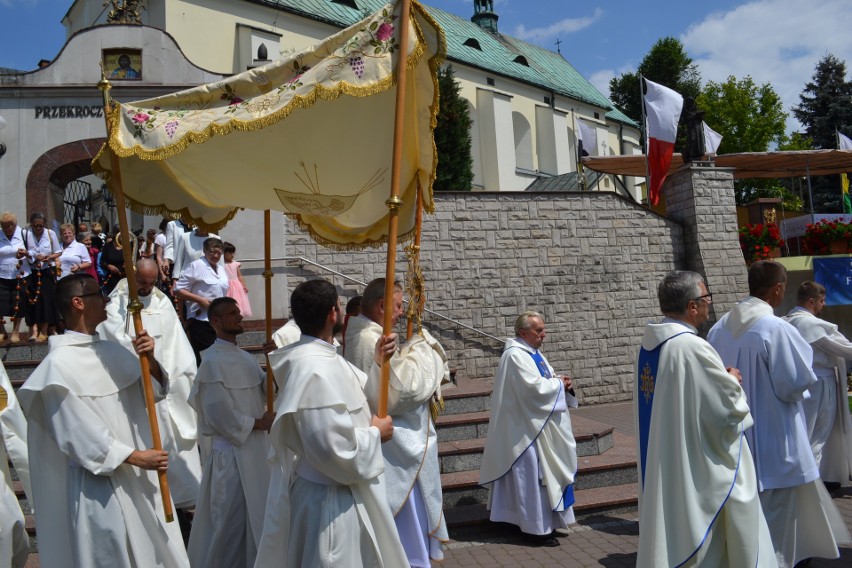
<point>590,262</point>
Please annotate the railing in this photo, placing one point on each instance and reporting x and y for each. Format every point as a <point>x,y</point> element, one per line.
<point>303,261</point>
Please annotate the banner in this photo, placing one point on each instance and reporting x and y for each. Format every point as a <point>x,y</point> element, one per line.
<point>836,275</point>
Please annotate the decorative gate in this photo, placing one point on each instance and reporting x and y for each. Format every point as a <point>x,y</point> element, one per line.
<point>78,202</point>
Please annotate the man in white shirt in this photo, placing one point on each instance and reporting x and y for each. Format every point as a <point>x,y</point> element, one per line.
<point>698,499</point>
<point>827,409</point>
<point>93,472</point>
<point>330,508</point>
<point>775,363</point>
<point>530,457</point>
<point>178,428</point>
<point>412,469</point>
<point>14,542</point>
<point>200,283</point>
<point>230,396</point>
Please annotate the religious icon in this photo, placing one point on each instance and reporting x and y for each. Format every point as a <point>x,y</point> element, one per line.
<point>123,64</point>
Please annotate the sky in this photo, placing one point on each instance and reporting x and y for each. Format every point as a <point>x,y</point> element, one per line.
<point>773,41</point>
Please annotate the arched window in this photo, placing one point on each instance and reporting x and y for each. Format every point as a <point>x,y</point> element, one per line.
<point>521,60</point>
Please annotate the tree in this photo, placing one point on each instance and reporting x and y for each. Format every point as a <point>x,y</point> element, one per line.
<point>667,64</point>
<point>750,118</point>
<point>826,103</point>
<point>452,137</point>
<point>825,107</point>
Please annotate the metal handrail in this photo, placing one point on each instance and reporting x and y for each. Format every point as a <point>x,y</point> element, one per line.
<point>302,261</point>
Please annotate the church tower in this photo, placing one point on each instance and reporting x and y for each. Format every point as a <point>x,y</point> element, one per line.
<point>484,15</point>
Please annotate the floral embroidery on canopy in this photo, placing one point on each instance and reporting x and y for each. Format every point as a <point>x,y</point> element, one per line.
<point>249,141</point>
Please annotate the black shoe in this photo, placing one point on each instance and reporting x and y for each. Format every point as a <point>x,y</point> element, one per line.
<point>540,540</point>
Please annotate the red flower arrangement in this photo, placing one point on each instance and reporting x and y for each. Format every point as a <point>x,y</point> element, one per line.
<point>758,242</point>
<point>819,236</point>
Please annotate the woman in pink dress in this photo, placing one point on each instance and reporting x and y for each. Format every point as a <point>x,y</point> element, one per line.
<point>236,285</point>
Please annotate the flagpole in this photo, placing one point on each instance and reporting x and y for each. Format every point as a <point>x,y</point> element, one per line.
<point>135,306</point>
<point>810,191</point>
<point>580,171</point>
<point>394,202</point>
<point>645,128</point>
<point>267,288</point>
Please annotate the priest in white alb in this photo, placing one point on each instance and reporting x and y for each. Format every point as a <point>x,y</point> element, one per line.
<point>229,395</point>
<point>412,470</point>
<point>827,409</point>
<point>333,509</point>
<point>14,542</point>
<point>698,498</point>
<point>530,457</point>
<point>775,363</point>
<point>177,421</point>
<point>287,334</point>
<point>94,474</point>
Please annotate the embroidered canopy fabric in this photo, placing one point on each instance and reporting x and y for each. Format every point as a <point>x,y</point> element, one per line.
<point>310,135</point>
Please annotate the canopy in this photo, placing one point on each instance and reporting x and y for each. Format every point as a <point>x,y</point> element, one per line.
<point>310,135</point>
<point>626,165</point>
<point>746,164</point>
<point>796,163</point>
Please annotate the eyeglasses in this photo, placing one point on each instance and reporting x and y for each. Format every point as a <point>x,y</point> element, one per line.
<point>98,293</point>
<point>37,226</point>
<point>706,297</point>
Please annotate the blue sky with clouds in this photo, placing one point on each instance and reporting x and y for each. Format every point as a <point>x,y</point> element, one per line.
<point>775,41</point>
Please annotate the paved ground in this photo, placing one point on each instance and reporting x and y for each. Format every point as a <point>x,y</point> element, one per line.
<point>596,541</point>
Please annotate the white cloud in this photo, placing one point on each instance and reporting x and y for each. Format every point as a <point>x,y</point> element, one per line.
<point>600,80</point>
<point>566,26</point>
<point>773,41</point>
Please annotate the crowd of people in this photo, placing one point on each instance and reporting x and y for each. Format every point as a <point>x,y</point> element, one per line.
<point>33,258</point>
<point>737,435</point>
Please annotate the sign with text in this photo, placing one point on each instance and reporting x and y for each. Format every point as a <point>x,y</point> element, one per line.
<point>797,226</point>
<point>836,275</point>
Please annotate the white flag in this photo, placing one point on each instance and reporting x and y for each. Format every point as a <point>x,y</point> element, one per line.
<point>662,110</point>
<point>843,142</point>
<point>712,139</point>
<point>588,137</point>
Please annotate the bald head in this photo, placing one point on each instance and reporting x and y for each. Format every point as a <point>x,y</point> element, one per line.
<point>147,273</point>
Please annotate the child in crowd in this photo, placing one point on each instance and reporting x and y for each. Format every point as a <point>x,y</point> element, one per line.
<point>237,286</point>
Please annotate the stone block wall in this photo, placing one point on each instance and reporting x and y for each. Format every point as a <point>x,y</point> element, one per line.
<point>589,262</point>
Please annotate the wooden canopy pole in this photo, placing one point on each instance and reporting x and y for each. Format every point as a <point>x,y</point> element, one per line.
<point>267,281</point>
<point>394,201</point>
<point>416,303</point>
<point>135,306</point>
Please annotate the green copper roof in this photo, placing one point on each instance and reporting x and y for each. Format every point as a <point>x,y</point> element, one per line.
<point>499,53</point>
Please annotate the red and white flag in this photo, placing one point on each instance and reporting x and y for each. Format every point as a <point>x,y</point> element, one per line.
<point>662,109</point>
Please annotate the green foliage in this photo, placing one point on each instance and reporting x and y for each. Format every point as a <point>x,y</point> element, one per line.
<point>826,106</point>
<point>749,117</point>
<point>452,137</point>
<point>826,103</point>
<point>667,64</point>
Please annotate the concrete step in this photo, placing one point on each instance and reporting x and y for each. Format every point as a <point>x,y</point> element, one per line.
<point>462,488</point>
<point>463,429</point>
<point>468,395</point>
<point>589,502</point>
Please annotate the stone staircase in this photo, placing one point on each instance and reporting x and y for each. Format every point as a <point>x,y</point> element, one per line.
<point>606,480</point>
<point>605,483</point>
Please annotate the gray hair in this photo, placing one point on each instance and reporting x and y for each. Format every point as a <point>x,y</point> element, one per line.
<point>677,289</point>
<point>523,321</point>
